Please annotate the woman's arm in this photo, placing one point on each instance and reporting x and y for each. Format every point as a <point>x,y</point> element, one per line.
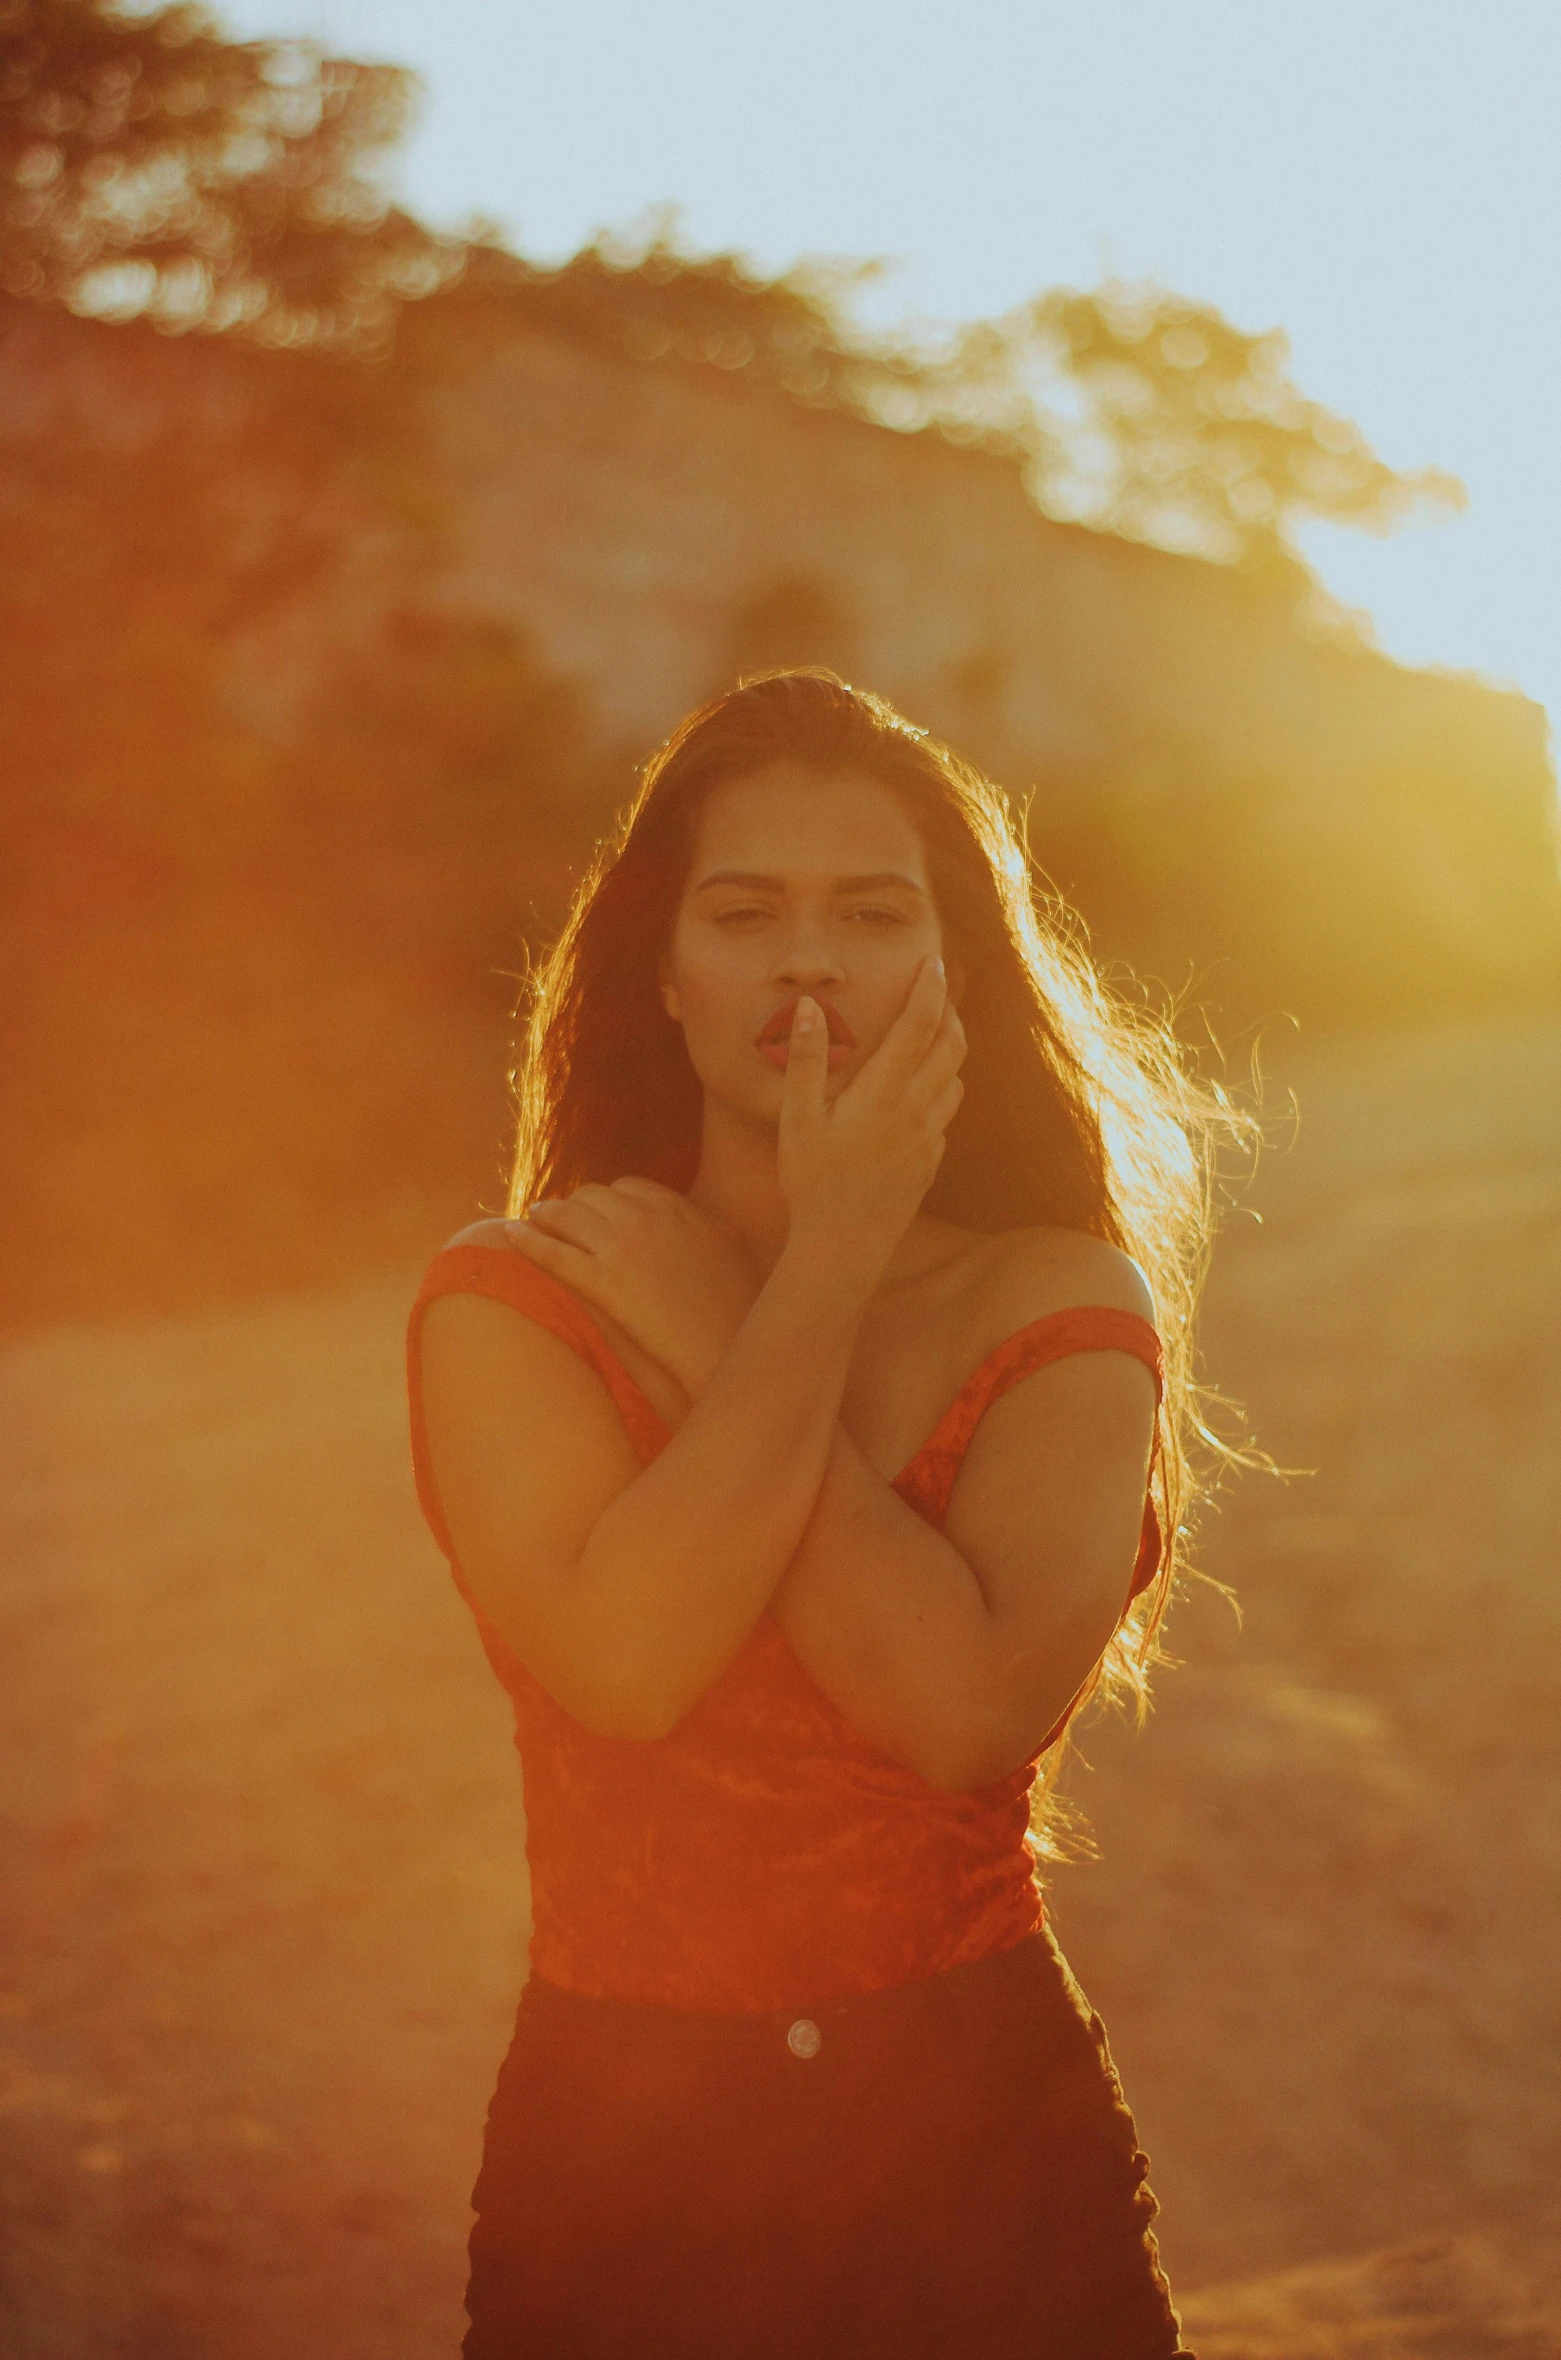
<point>627,1591</point>
<point>956,1651</point>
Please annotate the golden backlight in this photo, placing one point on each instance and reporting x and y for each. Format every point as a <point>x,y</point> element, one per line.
<point>326,656</point>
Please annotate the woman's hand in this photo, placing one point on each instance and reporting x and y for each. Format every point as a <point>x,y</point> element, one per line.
<point>855,1172</point>
<point>675,1278</point>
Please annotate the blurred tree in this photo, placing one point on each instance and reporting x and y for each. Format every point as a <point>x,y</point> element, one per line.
<point>151,168</point>
<point>1138,412</point>
<point>1192,435</point>
<point>1131,409</point>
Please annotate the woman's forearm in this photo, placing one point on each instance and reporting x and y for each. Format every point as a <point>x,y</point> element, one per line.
<point>678,1568</point>
<point>891,1623</point>
<point>886,1616</point>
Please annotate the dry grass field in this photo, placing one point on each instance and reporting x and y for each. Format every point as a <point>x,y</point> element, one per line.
<point>262,1827</point>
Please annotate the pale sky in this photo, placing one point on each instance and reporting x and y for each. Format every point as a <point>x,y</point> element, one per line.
<point>1380,178</point>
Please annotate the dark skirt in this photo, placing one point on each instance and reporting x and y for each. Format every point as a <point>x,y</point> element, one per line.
<point>944,2171</point>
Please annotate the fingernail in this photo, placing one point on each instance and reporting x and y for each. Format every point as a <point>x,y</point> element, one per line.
<point>807,1015</point>
<point>938,963</point>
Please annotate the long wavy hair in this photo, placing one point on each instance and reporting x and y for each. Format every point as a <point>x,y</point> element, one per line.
<point>1080,1109</point>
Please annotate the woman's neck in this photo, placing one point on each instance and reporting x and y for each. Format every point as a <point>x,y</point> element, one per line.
<point>737,1180</point>
<point>739,1183</point>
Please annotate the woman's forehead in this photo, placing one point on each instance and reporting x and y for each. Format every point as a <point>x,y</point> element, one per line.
<point>792,820</point>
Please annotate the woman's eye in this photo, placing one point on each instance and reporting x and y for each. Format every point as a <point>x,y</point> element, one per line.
<point>739,913</point>
<point>876,918</point>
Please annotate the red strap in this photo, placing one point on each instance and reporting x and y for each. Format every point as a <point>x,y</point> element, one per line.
<point>504,1275</point>
<point>1092,1328</point>
<point>928,1481</point>
<point>1087,1327</point>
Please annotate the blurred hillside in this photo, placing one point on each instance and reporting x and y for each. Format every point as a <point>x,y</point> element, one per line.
<point>345,572</point>
<point>321,677</point>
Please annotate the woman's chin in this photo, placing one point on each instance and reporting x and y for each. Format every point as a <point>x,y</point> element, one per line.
<point>751,1099</point>
<point>840,1059</point>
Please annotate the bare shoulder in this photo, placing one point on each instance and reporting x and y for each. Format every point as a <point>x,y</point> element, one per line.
<point>478,1333</point>
<point>492,1230</point>
<point>492,1377</point>
<point>1027,1274</point>
<point>493,1358</point>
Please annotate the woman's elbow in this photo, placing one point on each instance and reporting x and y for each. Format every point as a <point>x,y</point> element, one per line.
<point>622,1694</point>
<point>1008,1717</point>
<point>991,1743</point>
<point>962,1760</point>
<point>611,1683</point>
<point>632,1711</point>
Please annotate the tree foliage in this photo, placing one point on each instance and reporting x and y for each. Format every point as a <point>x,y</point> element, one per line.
<point>1130,408</point>
<point>149,167</point>
<point>1158,419</point>
<point>152,168</point>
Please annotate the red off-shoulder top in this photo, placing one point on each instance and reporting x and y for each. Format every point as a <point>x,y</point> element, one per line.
<point>765,1854</point>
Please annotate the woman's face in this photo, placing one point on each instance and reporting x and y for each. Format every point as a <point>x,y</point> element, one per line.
<point>801,881</point>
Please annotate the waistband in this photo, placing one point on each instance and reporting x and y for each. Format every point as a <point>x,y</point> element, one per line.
<point>962,1994</point>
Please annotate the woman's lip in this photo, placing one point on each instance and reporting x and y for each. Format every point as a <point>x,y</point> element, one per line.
<point>775,1033</point>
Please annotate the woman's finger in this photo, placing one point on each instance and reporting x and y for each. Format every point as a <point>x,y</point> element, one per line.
<point>948,1042</point>
<point>556,1255</point>
<point>914,1030</point>
<point>944,1058</point>
<point>597,1196</point>
<point>946,1105</point>
<point>807,1071</point>
<point>580,1223</point>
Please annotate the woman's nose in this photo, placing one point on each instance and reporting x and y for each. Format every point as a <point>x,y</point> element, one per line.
<point>808,962</point>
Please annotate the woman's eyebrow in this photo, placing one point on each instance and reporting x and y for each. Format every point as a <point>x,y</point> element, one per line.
<point>877,882</point>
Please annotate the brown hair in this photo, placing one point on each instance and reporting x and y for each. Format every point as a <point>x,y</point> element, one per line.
<point>1080,1111</point>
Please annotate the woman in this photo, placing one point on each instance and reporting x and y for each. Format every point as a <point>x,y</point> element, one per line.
<point>803,1445</point>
